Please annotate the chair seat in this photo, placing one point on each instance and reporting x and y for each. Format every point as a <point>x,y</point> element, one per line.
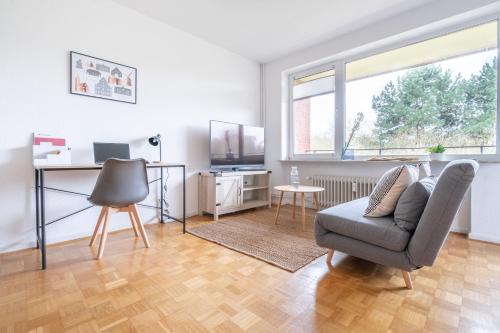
<point>347,219</point>
<point>108,203</point>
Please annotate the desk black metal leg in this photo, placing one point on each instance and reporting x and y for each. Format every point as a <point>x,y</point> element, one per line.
<point>37,209</point>
<point>42,218</point>
<point>183,199</point>
<point>161,196</point>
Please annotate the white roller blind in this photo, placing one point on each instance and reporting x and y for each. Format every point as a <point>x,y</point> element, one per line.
<point>479,38</point>
<point>314,85</point>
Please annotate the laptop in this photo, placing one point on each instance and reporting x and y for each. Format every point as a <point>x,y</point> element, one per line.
<point>103,151</point>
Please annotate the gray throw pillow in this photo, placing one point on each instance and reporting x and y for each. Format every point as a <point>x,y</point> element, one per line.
<point>412,203</point>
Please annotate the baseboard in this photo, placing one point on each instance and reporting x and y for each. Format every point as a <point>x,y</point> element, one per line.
<point>25,245</point>
<point>459,230</point>
<point>484,238</point>
<point>19,246</point>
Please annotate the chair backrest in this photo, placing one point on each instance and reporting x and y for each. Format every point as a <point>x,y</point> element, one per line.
<point>440,211</point>
<point>121,183</point>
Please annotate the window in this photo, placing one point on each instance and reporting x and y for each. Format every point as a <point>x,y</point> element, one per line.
<point>313,112</point>
<point>439,91</point>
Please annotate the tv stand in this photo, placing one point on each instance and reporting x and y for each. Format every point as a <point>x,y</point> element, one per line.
<point>222,192</point>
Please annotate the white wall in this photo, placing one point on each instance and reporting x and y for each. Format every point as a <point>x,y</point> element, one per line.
<point>423,20</point>
<point>182,83</point>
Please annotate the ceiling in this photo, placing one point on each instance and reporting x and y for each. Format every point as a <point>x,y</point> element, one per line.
<point>264,30</point>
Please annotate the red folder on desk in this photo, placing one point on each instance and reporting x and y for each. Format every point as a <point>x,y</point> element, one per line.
<point>40,139</point>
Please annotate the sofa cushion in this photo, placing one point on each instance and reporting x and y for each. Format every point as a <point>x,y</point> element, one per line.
<point>412,203</point>
<point>347,219</point>
<point>386,193</point>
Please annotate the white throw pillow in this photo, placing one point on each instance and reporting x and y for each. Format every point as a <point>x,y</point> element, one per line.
<point>389,188</point>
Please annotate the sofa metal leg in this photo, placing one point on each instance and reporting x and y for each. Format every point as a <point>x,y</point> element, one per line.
<point>329,258</point>
<point>407,278</point>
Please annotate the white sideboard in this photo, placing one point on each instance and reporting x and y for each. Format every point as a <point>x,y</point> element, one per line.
<point>227,192</point>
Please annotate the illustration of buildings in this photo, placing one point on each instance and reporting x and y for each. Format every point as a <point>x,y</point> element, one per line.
<point>80,86</point>
<point>123,91</point>
<point>114,80</point>
<point>79,64</point>
<point>102,88</point>
<point>93,72</point>
<point>115,77</point>
<point>116,72</point>
<point>129,80</point>
<point>102,68</point>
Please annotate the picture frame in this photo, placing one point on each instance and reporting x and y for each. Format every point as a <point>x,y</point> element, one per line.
<point>99,78</point>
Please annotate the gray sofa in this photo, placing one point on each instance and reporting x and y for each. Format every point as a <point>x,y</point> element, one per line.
<point>380,240</point>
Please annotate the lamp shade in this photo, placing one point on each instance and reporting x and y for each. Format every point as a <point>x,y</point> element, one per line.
<point>154,140</point>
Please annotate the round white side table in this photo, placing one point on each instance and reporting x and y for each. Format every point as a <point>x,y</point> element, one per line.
<point>302,190</point>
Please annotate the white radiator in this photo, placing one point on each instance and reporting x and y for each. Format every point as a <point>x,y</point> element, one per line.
<point>339,189</point>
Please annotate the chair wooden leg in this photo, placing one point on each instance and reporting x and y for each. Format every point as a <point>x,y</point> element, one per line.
<point>294,204</point>
<point>132,221</point>
<point>104,235</point>
<point>140,226</point>
<point>278,208</point>
<point>329,258</point>
<point>407,278</point>
<point>97,225</point>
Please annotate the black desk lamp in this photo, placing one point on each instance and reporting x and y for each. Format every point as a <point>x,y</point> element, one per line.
<point>155,141</point>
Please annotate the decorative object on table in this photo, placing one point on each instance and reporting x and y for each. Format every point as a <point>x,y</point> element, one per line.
<point>95,77</point>
<point>357,123</point>
<point>50,150</point>
<point>156,142</point>
<point>294,176</point>
<point>385,195</point>
<point>436,153</point>
<point>314,190</point>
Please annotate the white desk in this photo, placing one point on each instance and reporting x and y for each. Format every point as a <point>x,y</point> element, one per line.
<point>40,197</point>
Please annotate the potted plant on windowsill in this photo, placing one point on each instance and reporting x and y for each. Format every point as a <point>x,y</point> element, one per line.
<point>436,153</point>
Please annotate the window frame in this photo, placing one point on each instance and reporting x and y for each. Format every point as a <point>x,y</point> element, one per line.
<point>291,121</point>
<point>340,90</point>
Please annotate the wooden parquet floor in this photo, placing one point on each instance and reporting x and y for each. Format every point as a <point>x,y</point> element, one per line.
<point>186,284</point>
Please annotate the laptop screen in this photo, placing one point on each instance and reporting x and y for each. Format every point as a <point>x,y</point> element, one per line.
<point>103,151</point>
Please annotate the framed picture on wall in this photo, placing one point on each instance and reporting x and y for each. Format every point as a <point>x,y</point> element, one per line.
<point>95,77</point>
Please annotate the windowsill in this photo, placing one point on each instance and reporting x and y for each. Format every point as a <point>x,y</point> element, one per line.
<point>479,158</point>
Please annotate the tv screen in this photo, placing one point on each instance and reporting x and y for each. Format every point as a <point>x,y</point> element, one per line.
<point>235,144</point>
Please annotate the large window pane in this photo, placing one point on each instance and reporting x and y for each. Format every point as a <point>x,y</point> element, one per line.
<point>313,113</point>
<point>441,90</point>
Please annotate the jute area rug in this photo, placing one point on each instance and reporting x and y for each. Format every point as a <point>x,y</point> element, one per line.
<point>254,234</point>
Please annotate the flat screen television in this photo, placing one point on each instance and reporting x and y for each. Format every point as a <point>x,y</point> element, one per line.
<point>236,145</point>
